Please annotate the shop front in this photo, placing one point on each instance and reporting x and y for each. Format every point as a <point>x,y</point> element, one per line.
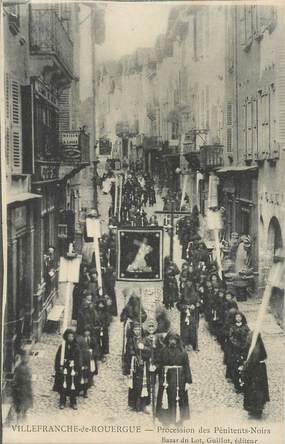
<point>238,196</point>
<point>19,309</point>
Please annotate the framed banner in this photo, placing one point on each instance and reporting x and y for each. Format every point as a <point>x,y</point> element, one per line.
<point>139,254</point>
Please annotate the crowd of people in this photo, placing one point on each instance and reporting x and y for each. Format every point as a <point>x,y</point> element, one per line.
<point>155,359</point>
<point>137,192</point>
<point>77,359</point>
<point>204,291</point>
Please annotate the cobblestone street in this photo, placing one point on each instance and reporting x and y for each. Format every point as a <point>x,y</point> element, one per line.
<point>210,392</point>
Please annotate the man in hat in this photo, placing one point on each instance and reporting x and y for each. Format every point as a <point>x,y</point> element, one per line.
<point>174,381</point>
<point>67,369</point>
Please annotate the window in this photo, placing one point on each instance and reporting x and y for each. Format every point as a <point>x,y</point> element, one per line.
<point>274,149</point>
<point>244,112</point>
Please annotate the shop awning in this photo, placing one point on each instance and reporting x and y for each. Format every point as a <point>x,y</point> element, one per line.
<point>21,197</point>
<point>236,169</point>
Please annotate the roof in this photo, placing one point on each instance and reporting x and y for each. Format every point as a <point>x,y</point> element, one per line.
<point>21,197</point>
<point>236,169</point>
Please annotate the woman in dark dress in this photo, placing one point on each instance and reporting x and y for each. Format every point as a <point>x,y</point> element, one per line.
<point>174,380</point>
<point>256,391</point>
<point>67,370</point>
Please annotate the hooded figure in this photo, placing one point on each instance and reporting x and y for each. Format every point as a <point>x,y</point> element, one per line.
<point>256,391</point>
<point>67,369</point>
<point>174,379</point>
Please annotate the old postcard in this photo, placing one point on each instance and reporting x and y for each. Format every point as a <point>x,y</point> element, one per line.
<point>143,222</point>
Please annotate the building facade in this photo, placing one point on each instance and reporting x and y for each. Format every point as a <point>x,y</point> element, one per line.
<point>45,149</point>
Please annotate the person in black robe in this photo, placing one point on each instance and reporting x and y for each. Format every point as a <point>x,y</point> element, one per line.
<point>256,391</point>
<point>170,285</point>
<point>237,350</point>
<point>87,316</point>
<point>188,306</point>
<point>138,353</point>
<point>109,282</point>
<point>90,353</point>
<point>102,330</point>
<point>133,311</point>
<point>228,304</point>
<point>174,380</point>
<point>67,372</point>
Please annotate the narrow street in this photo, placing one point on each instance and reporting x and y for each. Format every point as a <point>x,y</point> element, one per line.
<point>210,392</point>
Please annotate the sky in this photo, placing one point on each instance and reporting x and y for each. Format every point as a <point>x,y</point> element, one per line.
<point>128,26</point>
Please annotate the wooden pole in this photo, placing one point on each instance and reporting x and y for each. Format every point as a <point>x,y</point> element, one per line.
<point>98,264</point>
<point>274,276</point>
<point>116,197</point>
<point>172,230</point>
<point>120,197</point>
<point>68,291</point>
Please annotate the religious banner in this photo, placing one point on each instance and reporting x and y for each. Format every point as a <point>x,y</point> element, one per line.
<point>139,254</point>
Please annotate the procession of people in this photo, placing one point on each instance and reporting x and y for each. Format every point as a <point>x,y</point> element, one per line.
<point>156,358</point>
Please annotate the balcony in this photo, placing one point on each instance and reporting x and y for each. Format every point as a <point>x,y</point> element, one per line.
<point>74,148</point>
<point>171,148</point>
<point>152,143</point>
<point>211,157</point>
<point>191,155</point>
<point>50,45</point>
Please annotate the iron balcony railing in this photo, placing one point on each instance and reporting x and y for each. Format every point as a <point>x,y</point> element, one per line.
<point>211,156</point>
<point>48,36</point>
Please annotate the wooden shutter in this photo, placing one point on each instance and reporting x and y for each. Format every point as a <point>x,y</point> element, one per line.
<point>16,131</point>
<point>27,129</point>
<point>255,126</point>
<point>280,90</point>
<point>229,126</point>
<point>249,127</point>
<point>65,110</point>
<point>7,121</point>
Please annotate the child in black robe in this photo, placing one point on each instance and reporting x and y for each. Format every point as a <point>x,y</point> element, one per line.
<point>67,370</point>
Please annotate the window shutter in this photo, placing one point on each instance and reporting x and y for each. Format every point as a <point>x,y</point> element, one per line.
<point>249,127</point>
<point>27,129</point>
<point>16,133</point>
<point>255,126</point>
<point>64,110</point>
<point>7,120</point>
